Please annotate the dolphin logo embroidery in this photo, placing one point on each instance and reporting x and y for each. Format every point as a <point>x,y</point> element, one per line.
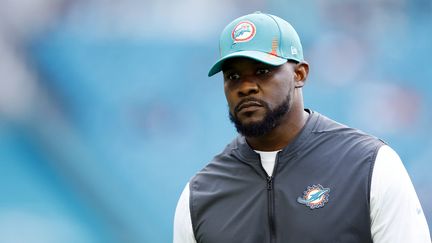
<point>315,196</point>
<point>243,32</point>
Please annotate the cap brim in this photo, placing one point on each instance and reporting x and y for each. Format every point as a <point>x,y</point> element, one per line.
<point>255,55</point>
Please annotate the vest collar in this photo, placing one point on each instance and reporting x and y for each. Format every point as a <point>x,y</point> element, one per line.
<point>244,152</point>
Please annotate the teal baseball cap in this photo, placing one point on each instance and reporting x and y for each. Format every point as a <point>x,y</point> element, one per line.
<point>263,37</point>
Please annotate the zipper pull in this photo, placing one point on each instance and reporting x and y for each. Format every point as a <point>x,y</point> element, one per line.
<point>269,183</point>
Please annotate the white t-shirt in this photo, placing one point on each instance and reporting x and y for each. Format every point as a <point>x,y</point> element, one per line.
<point>268,160</point>
<point>395,211</point>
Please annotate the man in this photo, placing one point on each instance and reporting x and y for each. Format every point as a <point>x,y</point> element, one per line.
<point>292,175</point>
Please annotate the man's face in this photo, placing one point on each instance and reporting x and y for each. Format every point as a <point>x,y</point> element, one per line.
<point>258,95</point>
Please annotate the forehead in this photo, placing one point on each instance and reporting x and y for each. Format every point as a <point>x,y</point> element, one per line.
<point>242,63</point>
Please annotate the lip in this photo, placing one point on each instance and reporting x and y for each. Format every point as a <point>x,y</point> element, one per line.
<point>249,104</point>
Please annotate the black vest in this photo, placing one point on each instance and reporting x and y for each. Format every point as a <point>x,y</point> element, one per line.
<point>319,191</point>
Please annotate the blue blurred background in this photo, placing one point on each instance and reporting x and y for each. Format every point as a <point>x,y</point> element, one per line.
<point>106,110</point>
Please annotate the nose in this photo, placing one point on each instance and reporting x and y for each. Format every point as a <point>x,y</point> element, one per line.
<point>247,87</point>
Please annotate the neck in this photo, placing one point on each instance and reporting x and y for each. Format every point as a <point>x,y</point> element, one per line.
<point>283,134</point>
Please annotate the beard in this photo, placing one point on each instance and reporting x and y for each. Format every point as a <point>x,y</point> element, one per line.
<point>271,119</point>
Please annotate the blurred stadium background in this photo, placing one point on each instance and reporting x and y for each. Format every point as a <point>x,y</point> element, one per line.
<point>106,110</point>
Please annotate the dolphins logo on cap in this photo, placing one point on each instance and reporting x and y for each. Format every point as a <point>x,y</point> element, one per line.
<point>243,31</point>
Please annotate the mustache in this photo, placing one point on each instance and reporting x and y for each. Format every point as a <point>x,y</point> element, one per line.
<point>246,100</point>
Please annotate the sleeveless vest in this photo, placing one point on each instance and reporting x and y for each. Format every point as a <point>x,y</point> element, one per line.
<point>319,191</point>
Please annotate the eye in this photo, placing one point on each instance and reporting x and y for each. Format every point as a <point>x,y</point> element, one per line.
<point>262,71</point>
<point>233,76</point>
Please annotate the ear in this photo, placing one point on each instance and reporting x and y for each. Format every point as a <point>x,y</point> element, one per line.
<point>301,71</point>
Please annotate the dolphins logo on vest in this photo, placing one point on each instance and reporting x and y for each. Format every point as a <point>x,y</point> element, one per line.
<point>315,196</point>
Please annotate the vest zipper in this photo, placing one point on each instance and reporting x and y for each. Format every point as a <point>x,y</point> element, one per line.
<point>271,201</point>
<point>271,213</point>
